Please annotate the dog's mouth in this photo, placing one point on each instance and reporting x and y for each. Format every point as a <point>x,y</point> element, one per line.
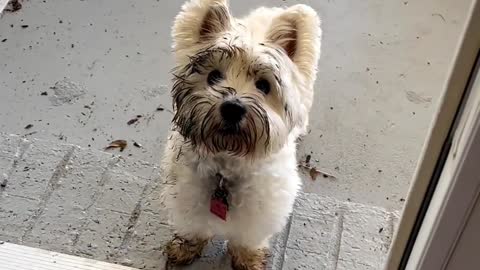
<point>230,129</point>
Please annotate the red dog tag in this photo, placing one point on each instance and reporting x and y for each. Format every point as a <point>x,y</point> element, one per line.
<point>218,208</point>
<point>219,199</point>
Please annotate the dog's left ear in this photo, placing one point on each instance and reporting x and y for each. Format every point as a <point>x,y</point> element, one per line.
<point>297,31</point>
<point>200,20</point>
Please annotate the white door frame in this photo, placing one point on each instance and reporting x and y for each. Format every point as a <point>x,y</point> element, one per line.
<point>456,194</point>
<point>425,216</point>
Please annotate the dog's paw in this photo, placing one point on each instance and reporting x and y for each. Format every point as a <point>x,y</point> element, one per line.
<point>181,251</point>
<point>246,259</point>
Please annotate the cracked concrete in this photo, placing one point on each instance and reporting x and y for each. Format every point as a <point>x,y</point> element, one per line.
<point>96,205</point>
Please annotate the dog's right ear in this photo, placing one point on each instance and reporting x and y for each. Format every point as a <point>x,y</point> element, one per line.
<point>200,20</point>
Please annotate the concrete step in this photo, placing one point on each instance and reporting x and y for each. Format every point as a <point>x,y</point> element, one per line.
<point>97,205</point>
<point>17,257</point>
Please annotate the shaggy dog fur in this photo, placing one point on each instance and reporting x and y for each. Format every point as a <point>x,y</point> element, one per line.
<point>242,92</point>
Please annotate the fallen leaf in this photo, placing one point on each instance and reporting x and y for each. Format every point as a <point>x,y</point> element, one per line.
<point>29,126</point>
<point>117,144</point>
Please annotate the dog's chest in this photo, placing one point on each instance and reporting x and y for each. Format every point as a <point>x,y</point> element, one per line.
<point>221,172</point>
<point>256,189</point>
<point>222,184</point>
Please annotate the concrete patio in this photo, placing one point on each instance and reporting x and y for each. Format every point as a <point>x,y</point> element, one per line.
<point>74,73</point>
<point>97,205</point>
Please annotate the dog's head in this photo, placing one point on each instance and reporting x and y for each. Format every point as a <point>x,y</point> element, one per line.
<point>243,86</point>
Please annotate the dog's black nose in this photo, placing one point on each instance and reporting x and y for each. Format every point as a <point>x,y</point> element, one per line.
<point>232,111</point>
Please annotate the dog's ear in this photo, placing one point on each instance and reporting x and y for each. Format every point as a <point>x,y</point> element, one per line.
<point>297,31</point>
<point>200,20</point>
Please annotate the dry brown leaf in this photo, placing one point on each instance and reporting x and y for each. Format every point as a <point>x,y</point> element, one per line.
<point>117,144</point>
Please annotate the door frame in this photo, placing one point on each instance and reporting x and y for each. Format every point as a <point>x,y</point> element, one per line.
<point>457,191</point>
<point>435,154</point>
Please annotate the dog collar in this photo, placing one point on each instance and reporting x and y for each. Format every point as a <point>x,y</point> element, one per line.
<point>219,198</point>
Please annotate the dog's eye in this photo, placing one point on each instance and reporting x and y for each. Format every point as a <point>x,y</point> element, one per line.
<point>214,77</point>
<point>263,85</point>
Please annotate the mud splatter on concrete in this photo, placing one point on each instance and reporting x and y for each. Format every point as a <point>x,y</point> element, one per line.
<point>416,98</point>
<point>66,91</point>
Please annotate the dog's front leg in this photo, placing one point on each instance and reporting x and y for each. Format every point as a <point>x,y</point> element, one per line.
<point>247,258</point>
<point>183,250</point>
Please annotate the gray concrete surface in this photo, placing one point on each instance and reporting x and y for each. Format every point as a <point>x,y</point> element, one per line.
<point>84,202</point>
<point>78,71</point>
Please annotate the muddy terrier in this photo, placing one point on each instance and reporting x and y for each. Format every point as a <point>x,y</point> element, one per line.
<point>242,91</point>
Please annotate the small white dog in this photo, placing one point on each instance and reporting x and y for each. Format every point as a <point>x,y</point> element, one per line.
<point>242,92</point>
